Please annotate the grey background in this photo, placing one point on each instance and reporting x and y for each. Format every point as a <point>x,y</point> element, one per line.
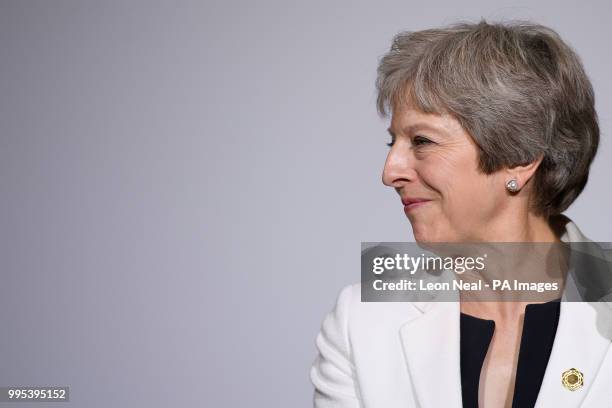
<point>185,186</point>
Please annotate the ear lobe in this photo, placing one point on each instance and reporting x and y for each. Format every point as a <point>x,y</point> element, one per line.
<point>512,185</point>
<point>524,172</point>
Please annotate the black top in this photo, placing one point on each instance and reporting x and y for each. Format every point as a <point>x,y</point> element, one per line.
<point>539,329</point>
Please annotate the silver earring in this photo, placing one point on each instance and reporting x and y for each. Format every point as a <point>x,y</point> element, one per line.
<point>512,186</point>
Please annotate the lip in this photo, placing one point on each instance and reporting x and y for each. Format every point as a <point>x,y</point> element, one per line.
<point>412,203</point>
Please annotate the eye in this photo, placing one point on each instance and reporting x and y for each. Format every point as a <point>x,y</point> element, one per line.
<point>420,141</point>
<point>392,142</point>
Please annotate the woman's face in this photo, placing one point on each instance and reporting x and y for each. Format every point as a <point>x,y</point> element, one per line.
<point>433,158</point>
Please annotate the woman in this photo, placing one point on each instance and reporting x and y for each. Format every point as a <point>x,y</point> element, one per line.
<point>493,132</point>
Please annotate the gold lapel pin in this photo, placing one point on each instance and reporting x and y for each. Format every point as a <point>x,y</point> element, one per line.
<point>572,379</point>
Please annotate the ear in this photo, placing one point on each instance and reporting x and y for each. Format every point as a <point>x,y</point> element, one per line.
<point>523,173</point>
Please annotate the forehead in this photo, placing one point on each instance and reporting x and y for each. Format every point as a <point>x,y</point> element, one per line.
<point>408,118</point>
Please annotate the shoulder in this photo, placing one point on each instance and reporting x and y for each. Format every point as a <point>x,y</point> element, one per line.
<point>349,303</point>
<point>353,317</point>
<point>352,333</point>
<point>360,353</point>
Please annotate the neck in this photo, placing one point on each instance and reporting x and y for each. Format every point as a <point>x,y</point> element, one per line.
<point>539,263</point>
<point>518,226</point>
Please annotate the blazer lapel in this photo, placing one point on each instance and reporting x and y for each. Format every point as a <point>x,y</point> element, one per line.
<point>581,342</point>
<point>431,348</point>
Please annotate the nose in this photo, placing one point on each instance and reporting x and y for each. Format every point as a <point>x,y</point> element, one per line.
<point>398,168</point>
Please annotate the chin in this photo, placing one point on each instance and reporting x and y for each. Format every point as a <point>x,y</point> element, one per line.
<point>423,234</point>
<point>425,239</point>
<point>427,233</point>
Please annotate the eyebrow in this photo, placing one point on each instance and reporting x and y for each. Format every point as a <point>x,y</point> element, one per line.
<point>417,126</point>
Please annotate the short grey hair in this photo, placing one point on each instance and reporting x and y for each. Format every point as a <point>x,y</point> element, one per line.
<point>516,87</point>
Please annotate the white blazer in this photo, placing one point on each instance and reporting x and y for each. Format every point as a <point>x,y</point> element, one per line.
<point>393,354</point>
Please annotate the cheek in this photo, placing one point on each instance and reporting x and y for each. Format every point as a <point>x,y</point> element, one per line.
<point>458,183</point>
<point>450,175</point>
<point>473,199</point>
